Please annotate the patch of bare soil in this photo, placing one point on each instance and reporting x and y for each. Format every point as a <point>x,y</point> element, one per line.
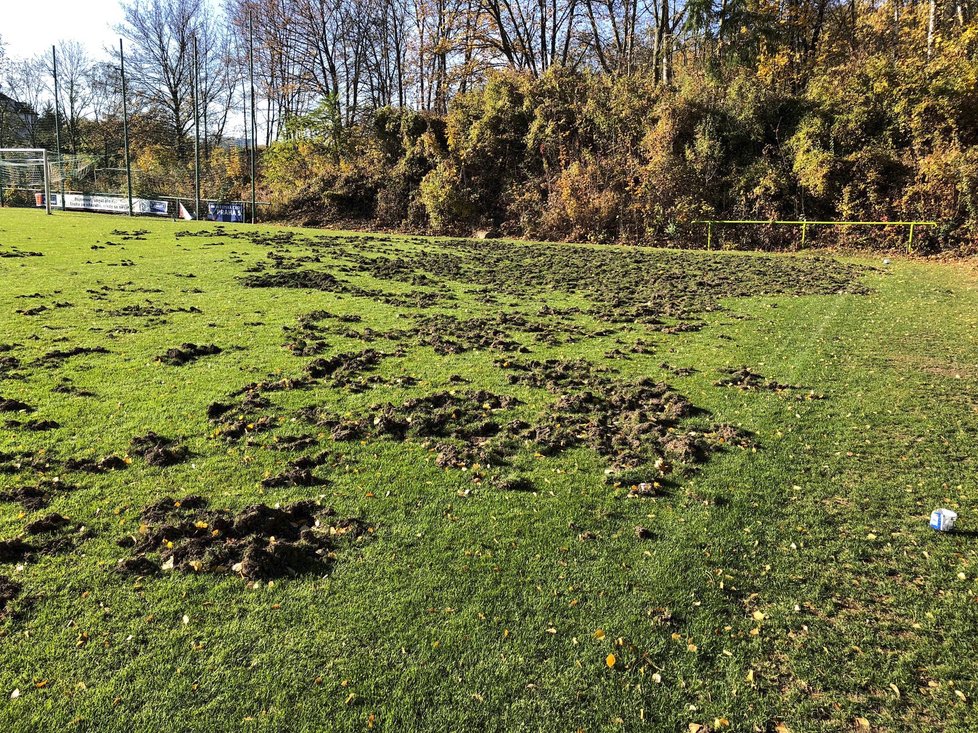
<point>259,542</point>
<point>157,450</point>
<point>96,465</point>
<point>58,356</point>
<point>187,353</point>
<point>9,590</point>
<point>11,405</point>
<point>33,426</point>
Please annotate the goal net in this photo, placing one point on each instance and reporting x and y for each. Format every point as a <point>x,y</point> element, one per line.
<point>25,177</point>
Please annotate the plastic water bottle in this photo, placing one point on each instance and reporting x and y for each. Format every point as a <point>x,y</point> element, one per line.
<point>943,520</point>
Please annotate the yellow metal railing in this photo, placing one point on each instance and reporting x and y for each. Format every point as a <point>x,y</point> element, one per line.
<point>804,224</point>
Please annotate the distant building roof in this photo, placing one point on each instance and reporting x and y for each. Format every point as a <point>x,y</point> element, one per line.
<point>15,106</point>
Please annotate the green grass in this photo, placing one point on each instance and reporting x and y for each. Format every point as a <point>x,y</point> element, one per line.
<point>801,582</point>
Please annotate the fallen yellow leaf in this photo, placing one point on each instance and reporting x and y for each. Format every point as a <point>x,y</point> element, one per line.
<point>610,661</point>
<point>599,634</point>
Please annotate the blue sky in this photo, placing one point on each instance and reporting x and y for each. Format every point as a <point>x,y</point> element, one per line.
<point>29,28</point>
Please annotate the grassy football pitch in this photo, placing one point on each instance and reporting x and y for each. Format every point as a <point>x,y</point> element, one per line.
<point>294,480</point>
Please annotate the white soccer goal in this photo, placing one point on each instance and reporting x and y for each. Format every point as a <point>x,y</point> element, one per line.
<point>25,170</point>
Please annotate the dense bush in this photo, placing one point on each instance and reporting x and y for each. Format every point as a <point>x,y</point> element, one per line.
<point>581,155</point>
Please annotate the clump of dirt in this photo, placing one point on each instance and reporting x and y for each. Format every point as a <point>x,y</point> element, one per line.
<point>57,356</point>
<point>307,347</point>
<point>8,364</point>
<point>677,371</point>
<point>554,375</point>
<point>307,280</point>
<point>157,450</point>
<point>633,424</point>
<point>98,466</point>
<point>746,378</point>
<point>136,235</point>
<point>35,311</point>
<point>187,353</point>
<point>9,590</point>
<point>49,523</point>
<point>59,535</point>
<point>29,497</point>
<point>344,369</point>
<point>628,422</point>
<point>447,334</point>
<point>15,550</point>
<point>724,434</point>
<point>15,253</point>
<point>512,482</point>
<point>292,476</point>
<point>140,311</point>
<point>234,421</point>
<point>292,442</point>
<point>462,429</point>
<point>306,339</point>
<point>34,426</point>
<point>259,542</point>
<point>67,388</point>
<point>22,461</point>
<point>12,405</point>
<point>465,416</point>
<point>38,495</point>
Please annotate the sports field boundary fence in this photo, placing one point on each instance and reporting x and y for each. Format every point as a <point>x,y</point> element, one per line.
<point>805,223</point>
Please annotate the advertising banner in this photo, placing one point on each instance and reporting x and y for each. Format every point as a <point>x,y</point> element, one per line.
<point>110,204</point>
<point>226,212</point>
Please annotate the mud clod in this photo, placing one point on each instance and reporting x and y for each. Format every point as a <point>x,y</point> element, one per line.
<point>12,405</point>
<point>140,566</point>
<point>512,482</point>
<point>293,476</point>
<point>34,426</point>
<point>50,523</point>
<point>91,465</point>
<point>747,379</point>
<point>9,590</point>
<point>259,542</point>
<point>187,353</point>
<point>15,550</point>
<point>157,450</point>
<point>56,357</point>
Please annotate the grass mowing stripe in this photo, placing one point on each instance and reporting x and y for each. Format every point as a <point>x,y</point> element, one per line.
<point>472,607</point>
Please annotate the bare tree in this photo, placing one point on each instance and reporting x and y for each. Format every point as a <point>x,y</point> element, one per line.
<point>161,34</point>
<point>534,35</point>
<point>26,80</point>
<point>75,97</point>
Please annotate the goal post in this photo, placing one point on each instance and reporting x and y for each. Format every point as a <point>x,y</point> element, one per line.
<point>26,170</point>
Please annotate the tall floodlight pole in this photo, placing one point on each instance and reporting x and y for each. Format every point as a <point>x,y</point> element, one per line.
<point>202,88</point>
<point>125,124</point>
<point>57,124</point>
<point>196,101</point>
<point>254,124</point>
<point>244,115</point>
